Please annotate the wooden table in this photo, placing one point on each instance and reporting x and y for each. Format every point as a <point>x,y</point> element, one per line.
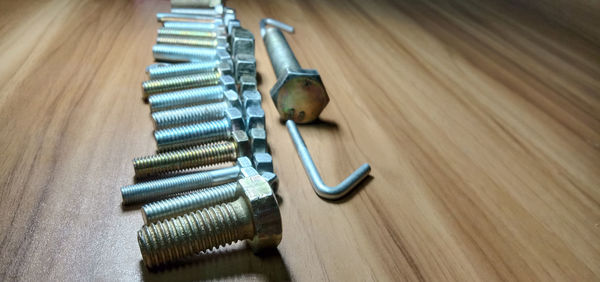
<point>481,120</point>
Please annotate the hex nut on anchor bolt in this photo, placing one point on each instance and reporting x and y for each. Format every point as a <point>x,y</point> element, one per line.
<point>254,217</point>
<point>298,94</point>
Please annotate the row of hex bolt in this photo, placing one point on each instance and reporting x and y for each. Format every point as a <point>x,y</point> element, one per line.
<point>204,59</point>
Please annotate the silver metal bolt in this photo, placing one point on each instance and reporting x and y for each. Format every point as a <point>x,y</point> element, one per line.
<point>244,64</point>
<point>196,114</point>
<point>216,29</point>
<point>258,140</point>
<point>254,216</point>
<point>263,162</point>
<point>195,96</point>
<point>251,98</point>
<point>179,205</point>
<point>177,137</point>
<point>254,117</point>
<point>177,53</point>
<point>155,86</point>
<point>215,11</point>
<point>247,83</point>
<point>224,67</point>
<point>157,189</point>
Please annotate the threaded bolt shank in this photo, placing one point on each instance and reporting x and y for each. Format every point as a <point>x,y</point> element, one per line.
<point>182,69</point>
<point>180,40</point>
<point>188,97</point>
<point>180,82</point>
<point>193,114</point>
<point>177,137</point>
<point>186,33</point>
<point>177,53</point>
<point>191,233</point>
<point>197,156</point>
<point>168,208</point>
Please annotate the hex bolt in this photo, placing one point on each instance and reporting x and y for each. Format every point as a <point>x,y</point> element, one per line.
<point>197,156</point>
<point>251,98</point>
<point>263,162</point>
<point>214,11</point>
<point>224,67</point>
<point>241,41</point>
<point>299,93</point>
<point>164,17</point>
<point>195,3</point>
<point>161,188</point>
<point>254,216</point>
<point>254,117</point>
<point>154,86</point>
<point>199,42</point>
<point>195,114</point>
<point>198,133</point>
<point>244,64</point>
<point>195,96</point>
<point>173,207</point>
<point>258,140</point>
<point>191,33</point>
<point>247,83</point>
<point>215,29</point>
<point>177,53</point>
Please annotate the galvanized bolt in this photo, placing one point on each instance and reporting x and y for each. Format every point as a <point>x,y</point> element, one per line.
<point>189,41</point>
<point>165,17</point>
<point>254,117</point>
<point>263,162</point>
<point>254,216</point>
<point>157,189</point>
<point>173,207</point>
<point>197,156</point>
<point>177,53</point>
<point>155,86</point>
<point>196,114</point>
<point>241,41</point>
<point>244,64</point>
<point>195,96</point>
<point>198,133</point>
<point>215,11</point>
<point>215,29</point>
<point>258,140</point>
<point>247,83</point>
<point>251,98</point>
<point>192,33</point>
<point>224,67</point>
<point>299,93</point>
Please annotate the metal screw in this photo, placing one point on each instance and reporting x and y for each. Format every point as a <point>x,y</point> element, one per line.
<point>177,53</point>
<point>164,17</point>
<point>254,117</point>
<point>157,189</point>
<point>200,42</point>
<point>195,114</point>
<point>190,68</point>
<point>197,156</point>
<point>216,29</point>
<point>194,96</point>
<point>214,11</point>
<point>198,133</point>
<point>180,82</point>
<point>241,41</point>
<point>192,33</point>
<point>299,93</point>
<point>172,207</point>
<point>254,216</point>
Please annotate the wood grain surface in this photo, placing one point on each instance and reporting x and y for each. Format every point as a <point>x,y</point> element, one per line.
<point>480,119</point>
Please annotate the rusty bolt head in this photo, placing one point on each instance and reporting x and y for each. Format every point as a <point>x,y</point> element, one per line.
<point>232,99</point>
<point>262,162</point>
<point>247,83</point>
<point>243,143</point>
<point>234,117</point>
<point>265,212</point>
<point>300,95</point>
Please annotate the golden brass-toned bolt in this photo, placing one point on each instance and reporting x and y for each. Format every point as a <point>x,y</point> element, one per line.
<point>154,86</point>
<point>254,216</point>
<point>201,155</point>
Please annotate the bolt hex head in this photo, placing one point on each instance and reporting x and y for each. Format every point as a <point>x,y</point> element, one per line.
<point>300,95</point>
<point>251,98</point>
<point>258,140</point>
<point>243,162</point>
<point>254,117</point>
<point>272,179</point>
<point>225,68</point>
<point>243,144</point>
<point>245,64</point>
<point>232,99</point>
<point>265,212</point>
<point>234,118</point>
<point>247,83</point>
<point>262,162</point>
<point>248,171</point>
<point>241,41</point>
<point>228,82</point>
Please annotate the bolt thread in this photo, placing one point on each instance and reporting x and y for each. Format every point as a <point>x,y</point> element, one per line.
<point>152,190</point>
<point>186,33</point>
<point>182,69</point>
<point>198,156</point>
<point>195,232</point>
<point>193,114</point>
<point>188,41</point>
<point>176,137</point>
<point>198,26</point>
<point>169,208</point>
<point>180,82</point>
<point>186,97</point>
<point>177,53</point>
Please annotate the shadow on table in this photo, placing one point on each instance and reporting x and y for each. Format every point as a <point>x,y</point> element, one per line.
<point>235,261</point>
